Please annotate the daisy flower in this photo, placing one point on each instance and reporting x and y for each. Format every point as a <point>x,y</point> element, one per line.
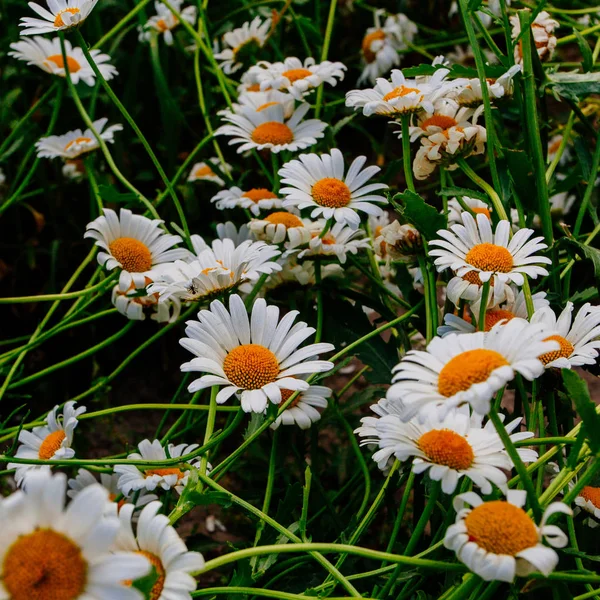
<point>467,368</point>
<point>84,479</point>
<point>157,541</point>
<point>398,242</point>
<point>295,77</point>
<point>75,143</point>
<point>588,500</point>
<point>577,338</point>
<point>165,21</point>
<point>469,94</point>
<point>255,358</point>
<point>455,210</point>
<point>340,240</point>
<point>318,182</point>
<point>52,551</point>
<point>399,95</point>
<point>498,540</point>
<point>136,305</point>
<point>134,244</point>
<point>553,145</point>
<point>448,448</point>
<point>215,270</point>
<point>47,55</point>
<point>282,226</point>
<point>476,254</point>
<point>132,478</point>
<point>259,101</point>
<point>303,410</point>
<point>301,273</point>
<point>51,441</point>
<point>203,171</point>
<point>543,36</point>
<point>255,199</point>
<point>62,15</point>
<point>242,43</point>
<point>73,170</point>
<point>269,129</point>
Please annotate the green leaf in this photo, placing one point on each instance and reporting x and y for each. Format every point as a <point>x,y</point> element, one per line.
<point>342,122</point>
<point>420,214</point>
<point>474,5</point>
<point>209,497</point>
<point>110,194</point>
<point>584,157</point>
<point>585,252</point>
<point>584,296</point>
<point>145,584</point>
<point>586,51</point>
<point>578,391</point>
<point>256,420</point>
<point>521,173</point>
<point>459,191</point>
<point>575,86</point>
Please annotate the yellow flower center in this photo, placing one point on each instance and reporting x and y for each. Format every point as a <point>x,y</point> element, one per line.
<point>566,349</point>
<point>441,121</point>
<point>592,494</point>
<point>331,193</point>
<point>51,444</point>
<point>204,171</point>
<point>285,218</point>
<point>285,396</point>
<point>273,132</point>
<point>369,55</point>
<point>495,316</point>
<point>266,105</point>
<point>159,584</point>
<point>400,92</point>
<point>467,369</point>
<point>296,74</point>
<point>255,87</point>
<point>44,565</point>
<point>133,255</point>
<point>58,22</point>
<point>482,211</point>
<point>79,140</point>
<point>165,472</point>
<point>489,257</point>
<point>258,194</point>
<point>448,448</point>
<point>501,528</point>
<point>251,366</point>
<point>57,59</point>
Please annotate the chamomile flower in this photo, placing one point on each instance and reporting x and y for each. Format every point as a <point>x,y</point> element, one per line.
<point>282,226</point>
<point>269,129</point>
<point>578,338</point>
<point>63,14</point>
<point>303,273</point>
<point>448,448</point>
<point>398,242</point>
<point>477,254</point>
<point>52,551</point>
<point>134,244</point>
<point>467,368</point>
<point>339,241</point>
<point>318,182</point>
<point>73,170</point>
<point>295,77</point>
<point>132,478</point>
<point>51,441</point>
<point>498,540</point>
<point>455,210</point>
<point>47,55</point>
<point>259,101</point>
<point>241,43</point>
<point>204,171</point>
<point>75,143</point>
<point>226,230</point>
<point>303,409</point>
<point>136,305</point>
<point>165,21</point>
<point>553,145</point>
<point>399,95</point>
<point>543,36</point>
<point>255,358</point>
<point>254,199</point>
<point>215,270</point>
<point>469,94</point>
<point>588,500</point>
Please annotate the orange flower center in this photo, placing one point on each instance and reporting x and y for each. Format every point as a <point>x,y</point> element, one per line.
<point>448,448</point>
<point>51,444</point>
<point>441,121</point>
<point>165,472</point>
<point>592,494</point>
<point>255,87</point>
<point>482,211</point>
<point>285,396</point>
<point>204,171</point>
<point>566,349</point>
<point>489,257</point>
<point>159,584</point>
<point>331,193</point>
<point>58,22</point>
<point>266,105</point>
<point>399,92</point>
<point>133,255</point>
<point>257,194</point>
<point>496,315</point>
<point>273,132</point>
<point>57,59</point>
<point>285,218</point>
<point>467,369</point>
<point>369,55</point>
<point>296,74</point>
<point>79,140</point>
<point>501,528</point>
<point>251,366</point>
<point>44,565</point>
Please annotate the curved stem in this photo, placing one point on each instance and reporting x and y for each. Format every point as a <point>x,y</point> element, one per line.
<point>408,174</point>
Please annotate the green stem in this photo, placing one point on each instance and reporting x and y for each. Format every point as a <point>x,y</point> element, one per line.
<point>485,292</point>
<point>210,425</point>
<point>112,32</point>
<point>591,184</point>
<point>319,290</point>
<point>485,186</point>
<point>325,51</point>
<point>408,174</point>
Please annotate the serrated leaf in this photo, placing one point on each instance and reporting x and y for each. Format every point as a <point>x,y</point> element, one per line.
<point>424,217</point>
<point>256,420</point>
<point>109,193</point>
<point>586,51</point>
<point>578,391</point>
<point>584,296</point>
<point>460,191</point>
<point>575,86</point>
<point>585,252</point>
<point>584,157</point>
<point>209,497</point>
<point>342,122</point>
